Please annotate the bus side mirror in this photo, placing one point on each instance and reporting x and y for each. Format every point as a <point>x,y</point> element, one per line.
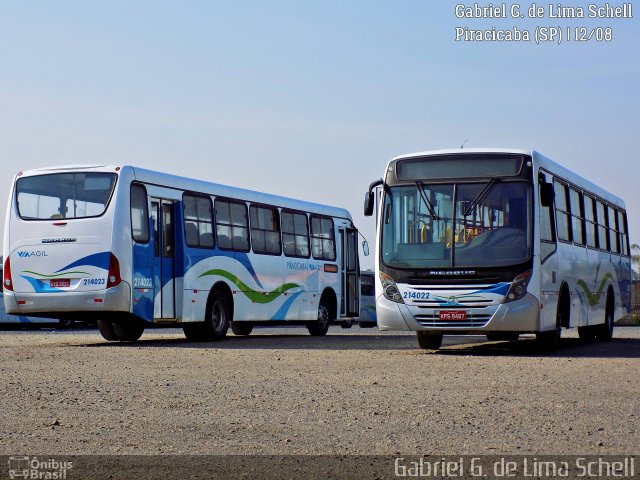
<point>547,195</point>
<point>368,203</point>
<point>365,248</point>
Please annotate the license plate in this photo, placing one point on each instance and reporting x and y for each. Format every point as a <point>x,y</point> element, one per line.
<point>454,315</point>
<point>60,282</point>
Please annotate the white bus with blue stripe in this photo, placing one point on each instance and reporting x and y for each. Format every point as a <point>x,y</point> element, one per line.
<point>500,243</point>
<point>130,247</point>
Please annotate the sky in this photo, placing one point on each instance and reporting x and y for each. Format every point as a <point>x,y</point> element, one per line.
<point>308,99</point>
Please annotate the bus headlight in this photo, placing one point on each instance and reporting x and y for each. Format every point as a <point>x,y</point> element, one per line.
<point>390,289</point>
<point>518,287</point>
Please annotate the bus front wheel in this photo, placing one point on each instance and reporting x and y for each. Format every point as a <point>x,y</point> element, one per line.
<point>429,341</point>
<point>320,327</point>
<point>604,332</point>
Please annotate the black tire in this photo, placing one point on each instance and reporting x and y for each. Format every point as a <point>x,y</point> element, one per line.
<point>216,323</point>
<point>604,332</point>
<point>587,334</point>
<point>106,330</point>
<point>429,341</point>
<point>320,327</point>
<point>194,331</point>
<point>128,330</point>
<point>497,337</point>
<point>550,340</point>
<point>241,328</point>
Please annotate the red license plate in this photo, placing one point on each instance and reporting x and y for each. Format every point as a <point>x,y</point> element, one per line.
<point>454,315</point>
<point>60,282</point>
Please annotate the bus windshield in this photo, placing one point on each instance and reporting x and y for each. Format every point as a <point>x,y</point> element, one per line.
<point>64,195</point>
<point>457,225</point>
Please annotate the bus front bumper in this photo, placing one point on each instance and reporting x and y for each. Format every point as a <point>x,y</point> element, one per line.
<point>520,316</point>
<point>114,299</point>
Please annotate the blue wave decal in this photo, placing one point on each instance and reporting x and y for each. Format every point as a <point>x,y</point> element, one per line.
<point>100,260</point>
<point>41,287</point>
<point>281,314</point>
<point>498,289</point>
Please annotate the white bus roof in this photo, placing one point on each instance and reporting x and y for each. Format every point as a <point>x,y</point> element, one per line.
<point>189,184</point>
<point>539,159</point>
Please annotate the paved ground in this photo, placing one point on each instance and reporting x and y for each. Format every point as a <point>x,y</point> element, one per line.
<point>284,392</point>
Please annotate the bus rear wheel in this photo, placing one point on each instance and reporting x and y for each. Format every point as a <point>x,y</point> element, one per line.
<point>121,331</point>
<point>128,330</point>
<point>320,327</point>
<point>429,341</point>
<point>106,330</point>
<point>604,332</point>
<point>587,334</point>
<point>241,328</point>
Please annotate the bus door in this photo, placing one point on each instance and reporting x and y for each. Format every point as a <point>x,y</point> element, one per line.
<point>162,214</point>
<point>349,272</point>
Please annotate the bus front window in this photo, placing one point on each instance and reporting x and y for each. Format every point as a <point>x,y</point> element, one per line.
<point>460,228</point>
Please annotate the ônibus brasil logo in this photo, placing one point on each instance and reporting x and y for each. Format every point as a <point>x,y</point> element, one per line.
<point>35,468</point>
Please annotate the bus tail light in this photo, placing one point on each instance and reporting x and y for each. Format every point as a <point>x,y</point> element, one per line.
<point>390,289</point>
<point>6,280</point>
<point>114,271</point>
<point>518,287</point>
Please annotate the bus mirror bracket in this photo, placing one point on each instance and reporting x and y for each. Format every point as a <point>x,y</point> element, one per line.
<point>369,198</point>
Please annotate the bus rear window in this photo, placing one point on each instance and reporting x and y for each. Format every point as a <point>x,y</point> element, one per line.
<point>64,195</point>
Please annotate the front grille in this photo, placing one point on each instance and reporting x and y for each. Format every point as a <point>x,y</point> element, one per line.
<point>471,303</point>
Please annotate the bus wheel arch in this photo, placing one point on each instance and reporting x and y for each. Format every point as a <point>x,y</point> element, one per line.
<point>218,316</point>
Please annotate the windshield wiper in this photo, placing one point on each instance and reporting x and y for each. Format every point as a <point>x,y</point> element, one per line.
<point>426,201</point>
<point>487,188</point>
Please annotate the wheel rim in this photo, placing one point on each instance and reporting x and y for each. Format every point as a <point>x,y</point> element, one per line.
<point>323,315</point>
<point>218,316</point>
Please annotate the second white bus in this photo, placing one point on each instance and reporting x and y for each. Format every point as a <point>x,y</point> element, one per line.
<point>131,247</point>
<point>497,242</point>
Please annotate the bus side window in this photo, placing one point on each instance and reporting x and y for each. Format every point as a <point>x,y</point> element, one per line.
<point>614,239</point>
<point>198,220</point>
<point>232,225</point>
<point>322,239</point>
<point>603,238</point>
<point>547,230</point>
<point>139,214</point>
<point>577,216</point>
<point>562,212</point>
<point>590,223</point>
<point>624,238</point>
<point>295,234</point>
